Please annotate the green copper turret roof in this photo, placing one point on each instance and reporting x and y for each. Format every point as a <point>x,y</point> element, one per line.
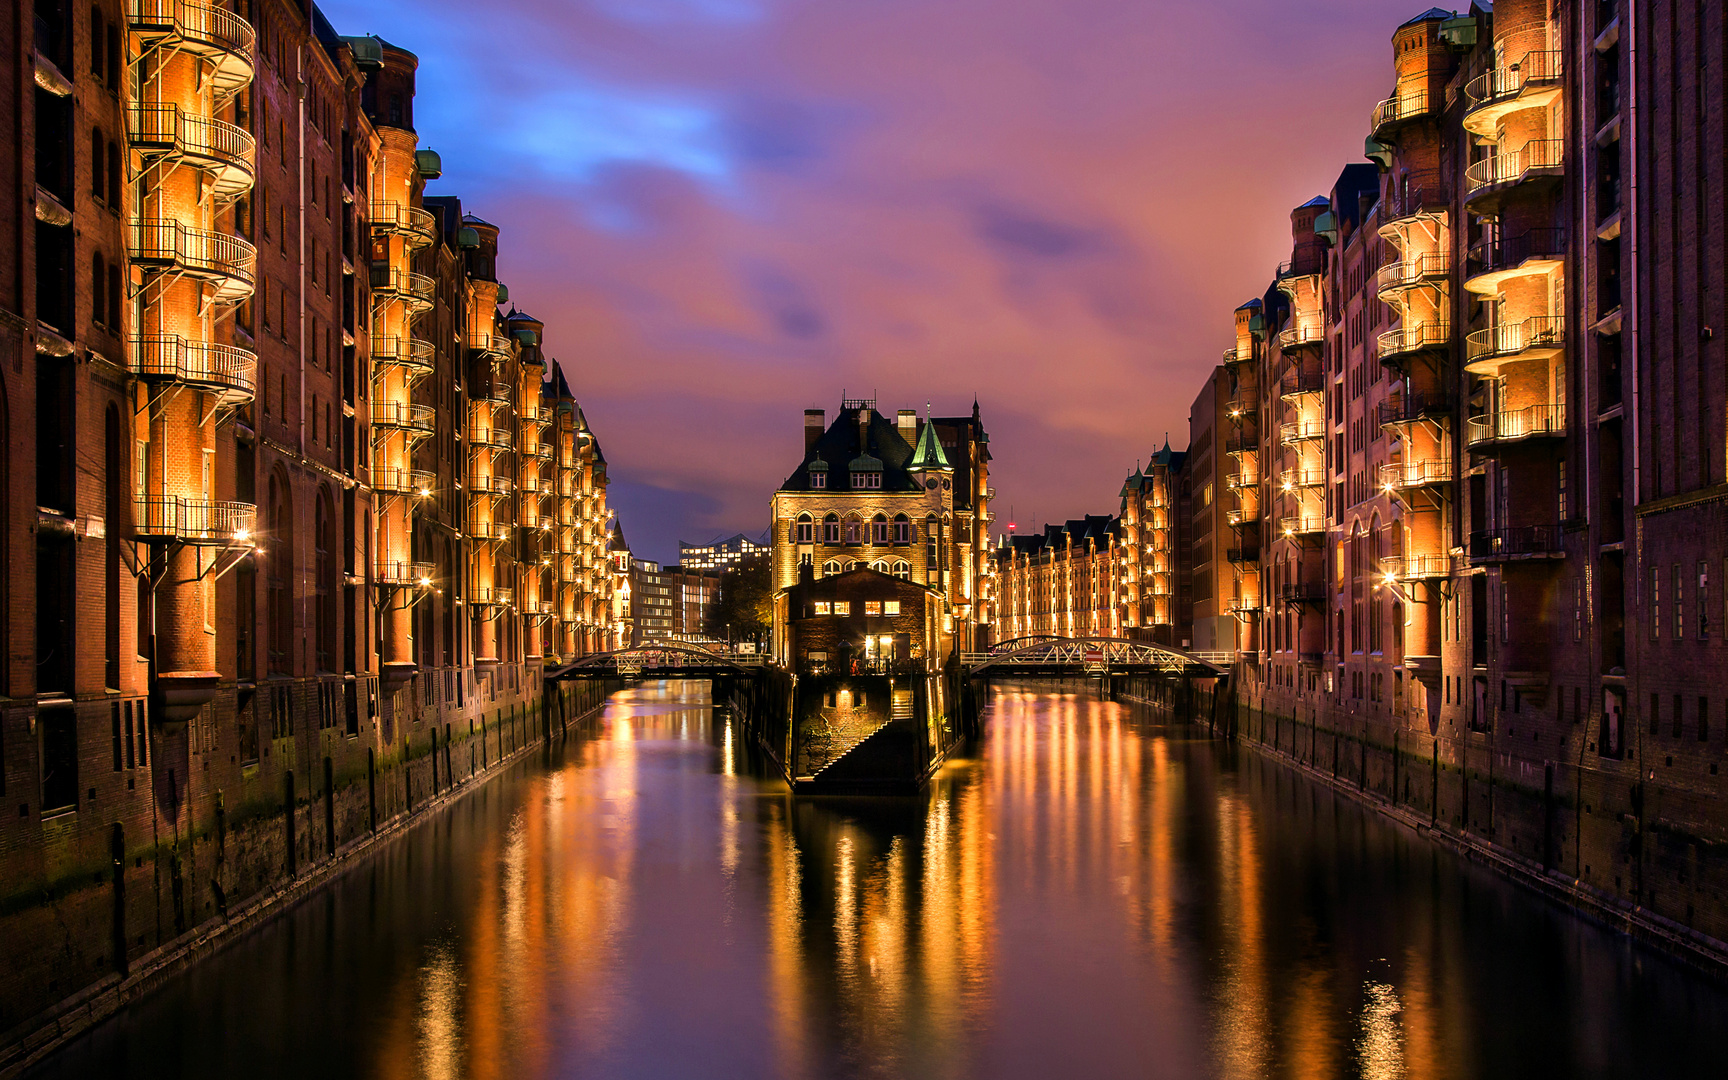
<point>929,454</point>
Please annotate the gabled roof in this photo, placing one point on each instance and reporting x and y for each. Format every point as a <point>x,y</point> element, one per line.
<point>929,454</point>
<point>1431,13</point>
<point>881,442</point>
<point>1318,200</point>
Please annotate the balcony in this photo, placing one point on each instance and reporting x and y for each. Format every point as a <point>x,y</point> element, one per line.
<point>1304,265</point>
<point>1426,268</point>
<point>493,484</point>
<point>1243,478</point>
<point>417,575</point>
<point>1294,479</point>
<point>393,481</point>
<point>1488,432</point>
<point>1241,442</point>
<point>1398,345</point>
<point>223,370</point>
<point>415,291</point>
<point>535,414</point>
<point>1232,357</point>
<point>1541,337</point>
<point>495,438</point>
<point>1414,407</point>
<point>1243,606</point>
<point>1302,524</point>
<point>413,224</point>
<point>416,420</point>
<point>1399,209</point>
<point>493,391</point>
<point>1415,567</point>
<point>541,451</point>
<point>222,150</point>
<point>1406,107</point>
<point>163,245</point>
<point>1528,542</point>
<point>484,596</point>
<point>201,27</point>
<point>1242,406</point>
<point>1304,430</point>
<point>409,353</point>
<point>1292,338</point>
<point>491,346</point>
<point>1402,475</point>
<point>487,531</point>
<point>1493,262</point>
<point>1488,180</point>
<point>193,521</point>
<point>1302,592</point>
<point>1532,81</point>
<point>1246,515</point>
<point>1298,383</point>
<point>1243,556</point>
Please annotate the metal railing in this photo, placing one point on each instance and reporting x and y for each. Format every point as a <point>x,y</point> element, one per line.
<point>224,369</point>
<point>1537,155</point>
<point>166,242</point>
<point>1243,478</point>
<point>1407,474</point>
<point>1313,262</point>
<point>1295,337</point>
<point>1402,341</point>
<point>198,22</point>
<point>1416,405</point>
<point>1537,332</point>
<point>492,344</point>
<point>1243,516</point>
<point>490,531</point>
<point>491,595</point>
<point>1512,424</point>
<point>1504,83</point>
<point>1302,382</point>
<point>1242,605</point>
<point>1418,199</point>
<point>1290,479</point>
<point>496,438</point>
<point>408,221</point>
<point>1243,554</point>
<point>403,481</point>
<point>395,414</point>
<point>1302,524</point>
<point>1412,270</point>
<point>193,521</point>
<point>1416,567</point>
<point>416,290</point>
<point>227,147</point>
<point>410,353</point>
<point>490,485</point>
<point>1302,592</point>
<point>1404,106</point>
<point>1508,253</point>
<point>1511,543</point>
<point>1303,430</point>
<point>400,572</point>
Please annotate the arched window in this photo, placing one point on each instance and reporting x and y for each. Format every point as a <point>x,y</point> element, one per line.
<point>902,529</point>
<point>902,569</point>
<point>1376,597</point>
<point>854,529</point>
<point>803,529</point>
<point>880,566</point>
<point>851,565</point>
<point>831,529</point>
<point>879,529</point>
<point>932,548</point>
<point>831,568</point>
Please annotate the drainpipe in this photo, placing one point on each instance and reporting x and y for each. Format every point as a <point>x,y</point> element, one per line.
<point>300,133</point>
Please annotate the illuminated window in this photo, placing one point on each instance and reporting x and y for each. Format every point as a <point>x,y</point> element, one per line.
<point>842,607</point>
<point>831,529</point>
<point>805,529</point>
<point>872,607</point>
<point>823,607</point>
<point>890,607</point>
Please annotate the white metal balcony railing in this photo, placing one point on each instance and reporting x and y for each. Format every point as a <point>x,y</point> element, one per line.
<point>1511,425</point>
<point>1415,567</point>
<point>193,521</point>
<point>1499,344</point>
<point>394,481</point>
<point>415,290</point>
<point>491,438</point>
<point>492,484</point>
<point>1408,104</point>
<point>1533,79</point>
<point>394,415</point>
<point>169,358</point>
<point>1302,524</point>
<point>1404,340</point>
<point>202,27</point>
<point>402,573</point>
<point>491,596</point>
<point>1292,479</point>
<point>1294,337</point>
<point>1538,157</point>
<point>1303,430</point>
<point>410,222</point>
<point>410,353</point>
<point>1408,272</point>
<point>496,346</point>
<point>1398,475</point>
<point>488,531</point>
<point>1244,516</point>
<point>225,151</point>
<point>165,245</point>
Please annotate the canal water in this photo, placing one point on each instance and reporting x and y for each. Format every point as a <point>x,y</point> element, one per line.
<point>1095,894</point>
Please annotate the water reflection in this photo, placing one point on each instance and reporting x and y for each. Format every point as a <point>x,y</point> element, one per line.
<point>1094,894</point>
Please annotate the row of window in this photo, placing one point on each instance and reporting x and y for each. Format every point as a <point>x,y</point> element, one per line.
<point>900,568</point>
<point>871,607</point>
<point>852,530</point>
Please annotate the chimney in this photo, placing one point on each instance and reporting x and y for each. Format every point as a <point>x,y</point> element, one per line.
<point>815,422</point>
<point>908,425</point>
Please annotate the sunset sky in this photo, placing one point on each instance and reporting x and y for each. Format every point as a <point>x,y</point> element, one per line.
<point>729,211</point>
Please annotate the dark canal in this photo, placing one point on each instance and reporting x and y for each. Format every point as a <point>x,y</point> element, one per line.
<point>1095,895</point>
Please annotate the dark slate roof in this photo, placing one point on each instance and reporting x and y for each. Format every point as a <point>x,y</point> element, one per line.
<point>1099,528</point>
<point>1318,200</point>
<point>475,219</point>
<point>1254,303</point>
<point>1431,13</point>
<point>841,443</point>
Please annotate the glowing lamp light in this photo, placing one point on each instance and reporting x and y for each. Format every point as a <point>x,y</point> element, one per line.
<point>241,536</point>
<point>424,492</point>
<point>425,583</point>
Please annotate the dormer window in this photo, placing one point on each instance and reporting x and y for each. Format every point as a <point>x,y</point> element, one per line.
<point>818,479</point>
<point>866,473</point>
<point>865,479</point>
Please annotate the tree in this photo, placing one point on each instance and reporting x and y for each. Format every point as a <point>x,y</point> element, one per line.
<point>746,603</point>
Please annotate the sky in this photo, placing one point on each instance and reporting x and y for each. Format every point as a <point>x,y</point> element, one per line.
<point>729,211</point>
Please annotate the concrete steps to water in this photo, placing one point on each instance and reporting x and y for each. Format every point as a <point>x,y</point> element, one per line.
<point>883,762</point>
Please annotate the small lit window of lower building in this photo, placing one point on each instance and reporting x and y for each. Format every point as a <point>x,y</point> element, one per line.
<point>842,607</point>
<point>823,607</point>
<point>890,607</point>
<point>872,607</point>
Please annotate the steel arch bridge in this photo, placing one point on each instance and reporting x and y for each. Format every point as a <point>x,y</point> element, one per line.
<point>665,660</point>
<point>1046,655</point>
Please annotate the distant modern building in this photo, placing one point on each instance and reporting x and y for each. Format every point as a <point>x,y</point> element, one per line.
<point>651,605</point>
<point>694,594</point>
<point>734,550</point>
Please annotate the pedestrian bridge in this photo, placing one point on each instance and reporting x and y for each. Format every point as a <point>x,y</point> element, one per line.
<point>667,660</point>
<point>1048,655</point>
